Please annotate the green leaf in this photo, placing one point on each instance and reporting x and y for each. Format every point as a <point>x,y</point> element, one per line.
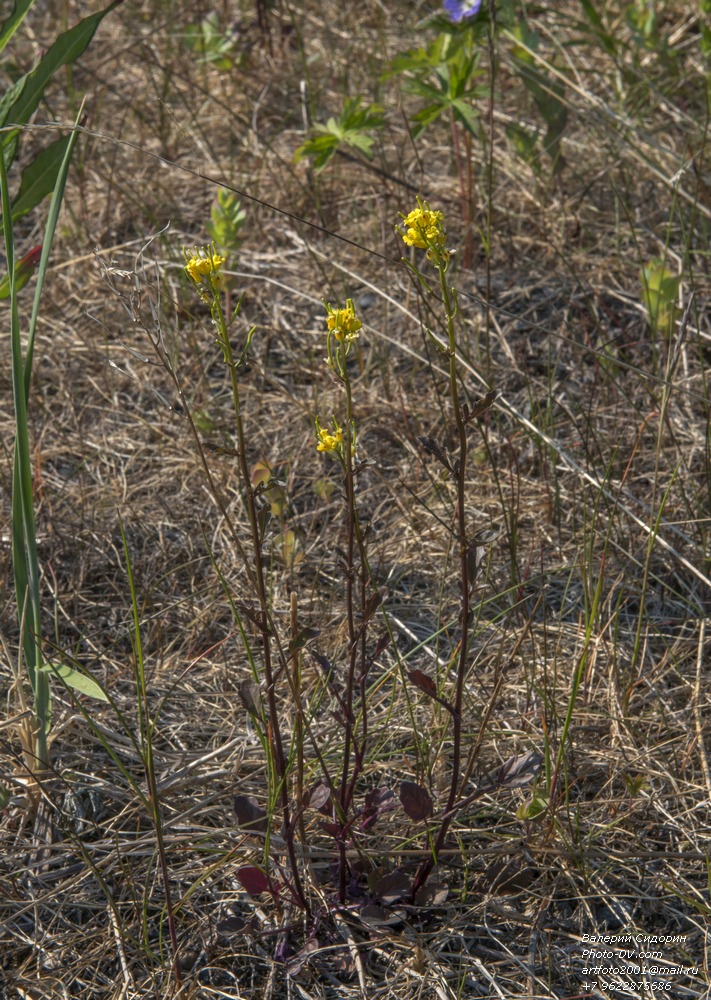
<point>350,128</point>
<point>83,683</point>
<point>39,178</point>
<point>226,220</point>
<point>210,43</point>
<point>320,148</point>
<point>22,100</point>
<point>425,117</point>
<point>466,114</point>
<point>13,22</point>
<point>605,39</point>
<point>524,143</point>
<point>535,807</point>
<point>660,290</point>
<point>362,142</point>
<point>24,269</point>
<point>547,92</point>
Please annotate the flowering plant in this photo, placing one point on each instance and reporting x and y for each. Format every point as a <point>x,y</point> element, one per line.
<point>462,10</point>
<point>203,266</point>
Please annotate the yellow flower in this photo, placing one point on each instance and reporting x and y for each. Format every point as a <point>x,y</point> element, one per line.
<point>343,323</point>
<point>203,265</point>
<point>328,441</point>
<point>425,229</point>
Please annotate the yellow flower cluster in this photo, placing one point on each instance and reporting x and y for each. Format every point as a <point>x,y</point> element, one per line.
<point>203,265</point>
<point>328,441</point>
<point>343,323</point>
<point>425,229</point>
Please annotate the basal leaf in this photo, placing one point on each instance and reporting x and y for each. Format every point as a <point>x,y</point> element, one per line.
<point>253,880</point>
<point>250,815</point>
<point>415,800</point>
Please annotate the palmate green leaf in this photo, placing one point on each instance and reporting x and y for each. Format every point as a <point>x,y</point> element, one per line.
<point>319,148</point>
<point>361,141</point>
<point>460,72</point>
<point>39,178</point>
<point>421,61</point>
<point>226,220</point>
<point>350,128</point>
<point>13,22</point>
<point>426,90</point>
<point>425,116</point>
<point>466,114</point>
<point>354,117</point>
<point>75,679</point>
<point>453,92</point>
<point>23,98</point>
<point>210,43</point>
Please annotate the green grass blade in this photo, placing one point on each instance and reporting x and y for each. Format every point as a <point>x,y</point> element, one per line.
<point>49,231</point>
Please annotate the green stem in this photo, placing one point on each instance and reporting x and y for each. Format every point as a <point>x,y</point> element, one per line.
<point>460,477</point>
<point>24,546</point>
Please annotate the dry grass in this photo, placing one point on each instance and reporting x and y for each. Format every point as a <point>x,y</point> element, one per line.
<point>574,465</point>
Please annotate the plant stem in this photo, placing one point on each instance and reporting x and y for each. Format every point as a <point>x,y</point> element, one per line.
<point>276,737</point>
<point>460,469</point>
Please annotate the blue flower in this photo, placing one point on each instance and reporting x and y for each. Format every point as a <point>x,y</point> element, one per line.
<point>461,10</point>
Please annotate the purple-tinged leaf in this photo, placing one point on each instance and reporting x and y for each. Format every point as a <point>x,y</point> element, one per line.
<point>382,644</point>
<point>377,802</point>
<point>432,894</point>
<point>516,771</point>
<point>423,682</point>
<point>250,696</point>
<point>481,405</point>
<point>375,916</point>
<point>305,636</point>
<point>433,448</point>
<point>250,815</point>
<point>507,877</point>
<point>324,663</point>
<point>256,617</point>
<point>253,879</point>
<point>282,952</point>
<point>231,925</point>
<point>373,603</point>
<point>393,887</point>
<point>317,797</point>
<point>415,800</point>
